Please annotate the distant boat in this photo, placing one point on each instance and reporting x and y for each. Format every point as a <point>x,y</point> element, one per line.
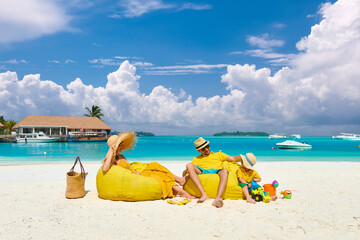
<point>348,136</point>
<point>292,144</point>
<point>277,136</point>
<point>34,138</point>
<point>87,136</point>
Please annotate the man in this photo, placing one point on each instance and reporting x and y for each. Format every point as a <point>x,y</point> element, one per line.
<point>206,163</point>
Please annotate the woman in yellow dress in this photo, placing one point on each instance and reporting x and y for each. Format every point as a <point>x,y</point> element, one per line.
<point>119,143</point>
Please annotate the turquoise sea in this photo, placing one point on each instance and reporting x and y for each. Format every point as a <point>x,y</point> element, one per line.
<point>181,149</point>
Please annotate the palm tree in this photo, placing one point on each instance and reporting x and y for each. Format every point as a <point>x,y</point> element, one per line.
<point>94,112</point>
<point>9,124</point>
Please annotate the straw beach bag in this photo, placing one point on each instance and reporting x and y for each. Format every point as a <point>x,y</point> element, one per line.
<point>75,182</point>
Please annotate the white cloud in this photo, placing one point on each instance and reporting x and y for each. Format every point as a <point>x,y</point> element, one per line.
<point>321,85</point>
<point>183,69</point>
<point>28,19</point>
<point>263,41</point>
<point>194,6</point>
<point>136,8</point>
<point>14,61</point>
<point>67,61</point>
<point>54,61</point>
<point>121,101</point>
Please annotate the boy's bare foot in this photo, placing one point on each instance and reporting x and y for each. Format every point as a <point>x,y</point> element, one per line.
<point>273,198</point>
<point>203,199</point>
<point>250,200</point>
<point>218,202</point>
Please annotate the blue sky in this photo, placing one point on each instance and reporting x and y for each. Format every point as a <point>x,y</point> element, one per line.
<point>188,68</point>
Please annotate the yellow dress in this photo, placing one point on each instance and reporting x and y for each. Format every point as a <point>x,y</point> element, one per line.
<point>157,171</point>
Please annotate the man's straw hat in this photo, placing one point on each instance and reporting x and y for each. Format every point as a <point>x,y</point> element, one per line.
<point>201,143</point>
<point>248,160</point>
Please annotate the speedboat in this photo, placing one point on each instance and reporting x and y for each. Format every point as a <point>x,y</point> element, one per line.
<point>292,144</point>
<point>34,138</point>
<point>277,136</point>
<point>348,136</point>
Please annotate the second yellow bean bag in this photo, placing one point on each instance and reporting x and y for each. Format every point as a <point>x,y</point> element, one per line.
<point>210,183</point>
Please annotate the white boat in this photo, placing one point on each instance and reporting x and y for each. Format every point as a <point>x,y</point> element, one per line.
<point>348,136</point>
<point>292,144</point>
<point>34,138</point>
<point>277,136</point>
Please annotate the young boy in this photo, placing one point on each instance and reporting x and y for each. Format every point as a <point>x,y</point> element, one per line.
<point>246,173</point>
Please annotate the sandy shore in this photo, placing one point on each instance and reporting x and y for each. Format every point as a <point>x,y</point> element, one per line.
<point>325,205</point>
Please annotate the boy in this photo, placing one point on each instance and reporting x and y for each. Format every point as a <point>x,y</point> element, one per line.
<point>246,173</point>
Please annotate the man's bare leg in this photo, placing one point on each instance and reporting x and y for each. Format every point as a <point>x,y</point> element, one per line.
<point>218,202</point>
<point>193,173</point>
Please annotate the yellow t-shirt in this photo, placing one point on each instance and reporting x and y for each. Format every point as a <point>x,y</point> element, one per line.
<point>247,176</point>
<point>213,160</point>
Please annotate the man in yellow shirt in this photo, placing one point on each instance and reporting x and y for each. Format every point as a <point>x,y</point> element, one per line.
<point>206,163</point>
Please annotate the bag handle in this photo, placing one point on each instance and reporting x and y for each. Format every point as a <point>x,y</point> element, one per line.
<point>81,167</point>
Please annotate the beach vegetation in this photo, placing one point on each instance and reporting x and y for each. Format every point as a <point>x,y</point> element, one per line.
<point>238,133</point>
<point>94,112</point>
<point>9,124</point>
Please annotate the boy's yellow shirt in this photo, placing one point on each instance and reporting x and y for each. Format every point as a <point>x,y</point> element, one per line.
<point>247,176</point>
<point>213,160</point>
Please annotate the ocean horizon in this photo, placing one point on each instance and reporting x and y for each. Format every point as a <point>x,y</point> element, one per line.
<point>180,148</point>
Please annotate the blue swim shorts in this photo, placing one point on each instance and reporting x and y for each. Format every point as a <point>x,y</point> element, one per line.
<point>208,171</point>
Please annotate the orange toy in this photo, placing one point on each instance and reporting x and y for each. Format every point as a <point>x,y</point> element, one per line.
<point>270,189</point>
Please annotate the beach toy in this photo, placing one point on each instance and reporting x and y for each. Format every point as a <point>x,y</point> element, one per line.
<point>275,183</point>
<point>121,184</point>
<point>258,193</point>
<point>271,188</point>
<point>287,194</point>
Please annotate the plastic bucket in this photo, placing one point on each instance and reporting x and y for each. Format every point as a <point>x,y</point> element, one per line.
<point>270,189</point>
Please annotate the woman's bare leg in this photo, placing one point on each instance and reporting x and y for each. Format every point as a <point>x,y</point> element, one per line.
<point>181,180</point>
<point>182,192</point>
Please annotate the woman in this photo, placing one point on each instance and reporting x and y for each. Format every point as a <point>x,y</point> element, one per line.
<point>119,143</point>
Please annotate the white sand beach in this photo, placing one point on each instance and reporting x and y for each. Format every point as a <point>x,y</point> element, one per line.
<point>324,205</point>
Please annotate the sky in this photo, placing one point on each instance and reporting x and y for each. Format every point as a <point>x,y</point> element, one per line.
<point>185,67</point>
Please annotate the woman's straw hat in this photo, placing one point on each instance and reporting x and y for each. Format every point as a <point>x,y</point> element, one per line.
<point>248,160</point>
<point>127,138</point>
<point>201,143</point>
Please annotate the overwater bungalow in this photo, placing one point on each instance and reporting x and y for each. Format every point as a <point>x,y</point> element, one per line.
<point>71,128</point>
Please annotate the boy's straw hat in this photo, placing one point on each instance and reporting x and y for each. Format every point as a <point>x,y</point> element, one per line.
<point>248,160</point>
<point>201,143</point>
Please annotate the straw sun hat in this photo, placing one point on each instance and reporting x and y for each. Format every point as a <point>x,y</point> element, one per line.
<point>248,160</point>
<point>200,143</point>
<point>127,138</point>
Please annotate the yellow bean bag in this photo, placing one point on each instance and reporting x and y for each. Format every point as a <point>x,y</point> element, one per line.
<point>210,183</point>
<point>121,184</point>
